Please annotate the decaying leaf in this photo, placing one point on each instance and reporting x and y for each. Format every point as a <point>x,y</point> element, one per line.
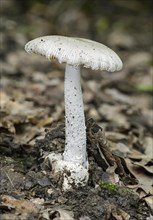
<point>56,214</point>
<point>84,218</point>
<point>149,201</point>
<point>20,206</point>
<point>32,103</point>
<point>145,181</point>
<point>110,175</point>
<point>150,217</point>
<point>119,214</point>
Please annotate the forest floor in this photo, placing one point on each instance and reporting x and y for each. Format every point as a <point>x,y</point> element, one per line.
<point>32,119</point>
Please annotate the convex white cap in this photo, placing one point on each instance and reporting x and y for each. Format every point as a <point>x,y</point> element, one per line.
<point>76,51</point>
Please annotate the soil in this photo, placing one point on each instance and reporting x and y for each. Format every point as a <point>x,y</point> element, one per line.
<point>118,110</point>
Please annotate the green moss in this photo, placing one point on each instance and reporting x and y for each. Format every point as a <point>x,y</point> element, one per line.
<point>127,190</point>
<point>144,88</point>
<point>116,189</point>
<point>109,186</point>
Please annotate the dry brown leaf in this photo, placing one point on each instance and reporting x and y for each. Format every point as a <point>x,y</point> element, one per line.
<point>115,136</point>
<point>19,205</point>
<point>145,181</point>
<point>142,164</point>
<point>110,175</point>
<point>149,201</point>
<point>56,214</point>
<point>143,160</point>
<point>150,217</point>
<point>45,121</point>
<point>118,96</point>
<point>84,218</point>
<point>119,214</point>
<point>135,155</point>
<point>19,107</point>
<point>113,113</point>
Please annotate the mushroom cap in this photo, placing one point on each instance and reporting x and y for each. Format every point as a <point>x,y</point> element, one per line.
<point>76,51</point>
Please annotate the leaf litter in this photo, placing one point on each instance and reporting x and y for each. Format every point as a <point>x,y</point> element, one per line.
<point>32,125</point>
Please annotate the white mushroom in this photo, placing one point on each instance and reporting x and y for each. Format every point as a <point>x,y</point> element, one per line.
<point>75,52</point>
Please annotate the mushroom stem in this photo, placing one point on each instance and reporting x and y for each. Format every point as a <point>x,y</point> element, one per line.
<point>75,129</point>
